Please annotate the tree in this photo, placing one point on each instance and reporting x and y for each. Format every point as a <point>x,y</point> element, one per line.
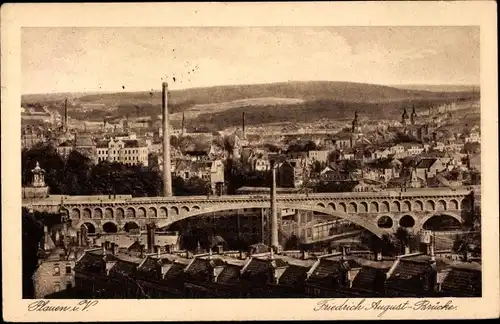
<point>174,141</point>
<point>32,233</point>
<point>385,245</point>
<point>406,239</point>
<point>317,167</point>
<point>333,156</point>
<point>49,160</point>
<point>472,147</point>
<point>229,143</point>
<point>272,148</point>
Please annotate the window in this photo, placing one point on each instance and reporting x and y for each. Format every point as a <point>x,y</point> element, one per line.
<point>57,271</point>
<point>68,269</point>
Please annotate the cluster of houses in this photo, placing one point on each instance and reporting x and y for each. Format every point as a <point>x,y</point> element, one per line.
<point>154,267</point>
<point>113,272</point>
<point>374,161</point>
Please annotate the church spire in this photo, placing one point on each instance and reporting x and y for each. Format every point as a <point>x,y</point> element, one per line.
<point>404,117</point>
<point>355,126</point>
<point>413,117</point>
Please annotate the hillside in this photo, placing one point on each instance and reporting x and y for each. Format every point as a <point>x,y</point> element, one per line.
<point>314,90</point>
<point>311,111</point>
<point>439,88</point>
<point>221,106</point>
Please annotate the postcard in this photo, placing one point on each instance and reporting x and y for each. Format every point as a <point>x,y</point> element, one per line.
<point>249,161</point>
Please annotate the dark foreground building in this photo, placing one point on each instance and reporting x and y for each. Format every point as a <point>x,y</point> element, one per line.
<point>111,273</point>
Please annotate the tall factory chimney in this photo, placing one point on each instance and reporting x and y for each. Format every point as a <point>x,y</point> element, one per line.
<point>65,114</point>
<point>183,125</point>
<point>167,176</point>
<point>243,124</point>
<point>274,210</point>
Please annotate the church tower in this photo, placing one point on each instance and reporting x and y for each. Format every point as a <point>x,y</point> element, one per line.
<point>404,118</point>
<point>355,125</point>
<point>413,117</point>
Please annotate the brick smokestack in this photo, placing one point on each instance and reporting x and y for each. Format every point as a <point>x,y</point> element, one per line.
<point>151,237</point>
<point>66,114</point>
<point>167,176</point>
<point>243,123</point>
<point>274,210</point>
<point>183,124</point>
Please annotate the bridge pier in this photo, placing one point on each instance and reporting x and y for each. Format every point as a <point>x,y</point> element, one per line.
<point>274,212</point>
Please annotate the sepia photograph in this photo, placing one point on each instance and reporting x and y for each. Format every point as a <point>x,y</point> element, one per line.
<point>166,178</point>
<point>335,164</point>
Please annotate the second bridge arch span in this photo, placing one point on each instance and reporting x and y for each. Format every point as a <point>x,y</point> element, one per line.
<point>362,221</point>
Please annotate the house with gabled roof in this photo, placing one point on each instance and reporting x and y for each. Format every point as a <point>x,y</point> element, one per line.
<point>429,167</point>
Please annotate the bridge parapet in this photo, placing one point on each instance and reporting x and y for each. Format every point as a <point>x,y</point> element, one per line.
<point>362,208</point>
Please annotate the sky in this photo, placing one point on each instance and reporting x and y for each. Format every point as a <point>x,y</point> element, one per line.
<point>139,59</point>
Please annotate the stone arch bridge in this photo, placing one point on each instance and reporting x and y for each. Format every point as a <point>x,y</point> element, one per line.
<point>411,208</point>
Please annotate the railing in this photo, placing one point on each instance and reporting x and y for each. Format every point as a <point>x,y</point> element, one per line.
<point>409,193</point>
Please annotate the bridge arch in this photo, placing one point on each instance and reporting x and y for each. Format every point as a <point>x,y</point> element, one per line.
<point>91,226</point>
<point>141,212</point>
<point>418,205</point>
<point>384,207</point>
<point>108,213</point>
<point>342,207</point>
<point>87,213</point>
<point>110,226</point>
<point>396,206</point>
<point>406,206</point>
<point>430,205</point>
<point>407,221</point>
<point>174,211</point>
<point>163,212</point>
<point>131,225</point>
<point>453,204</point>
<point>363,207</point>
<point>75,213</point>
<point>364,222</point>
<point>321,205</point>
<point>374,207</point>
<point>331,206</point>
<point>352,207</point>
<point>97,212</point>
<point>152,212</point>
<point>196,207</point>
<point>120,213</point>
<point>441,205</point>
<point>130,212</point>
<point>424,221</point>
<point>385,221</point>
<point>185,209</point>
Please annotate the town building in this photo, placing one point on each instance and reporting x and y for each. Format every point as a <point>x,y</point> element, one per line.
<point>428,168</point>
<point>319,155</point>
<point>292,173</point>
<point>110,272</point>
<point>85,145</point>
<point>125,151</point>
<point>32,135</point>
<point>210,171</point>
